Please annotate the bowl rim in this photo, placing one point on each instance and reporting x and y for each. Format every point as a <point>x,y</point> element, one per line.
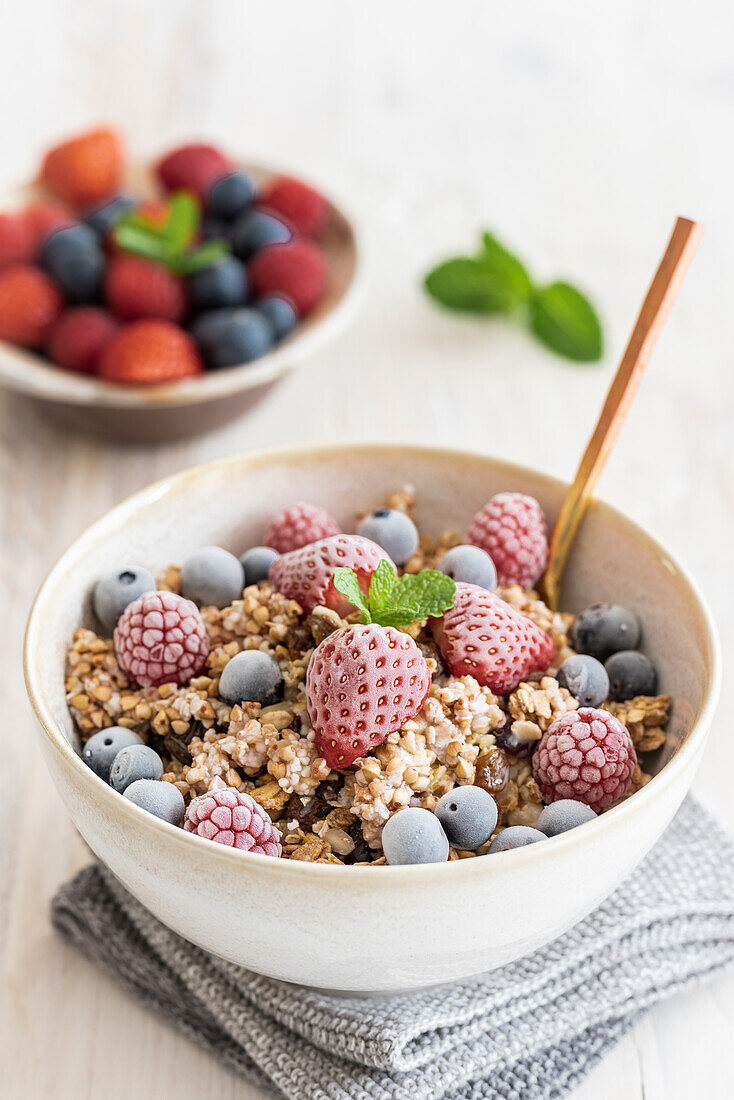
<point>116,803</point>
<point>23,371</point>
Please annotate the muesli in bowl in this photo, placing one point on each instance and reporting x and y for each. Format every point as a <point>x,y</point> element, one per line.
<point>386,696</point>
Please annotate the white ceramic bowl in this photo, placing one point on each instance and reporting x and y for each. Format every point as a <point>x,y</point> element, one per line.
<point>381,928</point>
<point>181,409</point>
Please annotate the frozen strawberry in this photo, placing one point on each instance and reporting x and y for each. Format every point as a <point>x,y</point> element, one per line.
<point>586,755</point>
<point>85,169</point>
<point>306,575</point>
<point>150,352</point>
<point>305,208</point>
<point>192,167</point>
<point>17,241</point>
<point>299,525</point>
<point>362,684</point>
<point>296,269</point>
<point>30,302</point>
<point>482,636</point>
<point>136,288</point>
<point>79,337</point>
<point>511,529</point>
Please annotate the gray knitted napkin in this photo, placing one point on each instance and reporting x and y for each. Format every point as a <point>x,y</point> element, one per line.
<point>533,1028</point>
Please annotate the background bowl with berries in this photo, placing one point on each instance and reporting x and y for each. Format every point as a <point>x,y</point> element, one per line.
<point>158,300</point>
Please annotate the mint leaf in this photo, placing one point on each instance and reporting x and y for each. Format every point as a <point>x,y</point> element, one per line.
<point>345,581</point>
<point>202,257</point>
<point>463,284</point>
<point>182,222</point>
<point>140,240</point>
<point>566,322</point>
<point>382,584</point>
<point>426,593</point>
<point>510,278</point>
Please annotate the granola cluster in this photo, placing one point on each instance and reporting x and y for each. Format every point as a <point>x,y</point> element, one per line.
<point>463,733</point>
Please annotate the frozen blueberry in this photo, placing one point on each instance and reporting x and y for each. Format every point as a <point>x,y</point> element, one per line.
<point>256,563</point>
<point>254,230</point>
<point>105,215</point>
<point>219,286</point>
<point>102,748</point>
<point>413,835</point>
<point>393,531</point>
<point>112,594</point>
<point>133,763</point>
<point>563,815</point>
<point>603,629</point>
<point>517,836</point>
<point>158,798</point>
<point>230,195</point>
<point>212,577</point>
<point>74,258</point>
<point>630,673</point>
<point>280,314</point>
<point>251,677</point>
<point>468,816</point>
<point>586,679</point>
<point>470,564</point>
<point>228,337</point>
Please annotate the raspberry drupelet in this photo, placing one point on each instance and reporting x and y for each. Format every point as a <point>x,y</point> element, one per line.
<point>161,638</point>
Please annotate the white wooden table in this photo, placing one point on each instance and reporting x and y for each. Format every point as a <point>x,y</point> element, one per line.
<point>577,134</point>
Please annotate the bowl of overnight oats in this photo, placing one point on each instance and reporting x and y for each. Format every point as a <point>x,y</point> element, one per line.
<point>311,710</point>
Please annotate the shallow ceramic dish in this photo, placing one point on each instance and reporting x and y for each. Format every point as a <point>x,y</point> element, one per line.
<point>362,928</point>
<point>172,411</point>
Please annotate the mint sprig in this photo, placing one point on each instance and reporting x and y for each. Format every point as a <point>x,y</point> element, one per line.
<point>495,281</point>
<point>397,601</point>
<point>170,241</point>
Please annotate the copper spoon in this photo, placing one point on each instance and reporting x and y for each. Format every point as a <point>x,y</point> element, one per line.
<point>658,301</point>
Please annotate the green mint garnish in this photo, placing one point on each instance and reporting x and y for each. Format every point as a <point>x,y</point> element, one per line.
<point>494,281</point>
<point>565,321</point>
<point>397,601</point>
<point>170,242</point>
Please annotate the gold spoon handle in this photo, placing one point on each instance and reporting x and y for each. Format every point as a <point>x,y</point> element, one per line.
<point>658,301</point>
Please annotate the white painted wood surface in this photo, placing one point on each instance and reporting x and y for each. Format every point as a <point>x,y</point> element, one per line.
<point>577,133</point>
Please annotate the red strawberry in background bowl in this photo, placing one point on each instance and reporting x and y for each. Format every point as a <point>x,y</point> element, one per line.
<point>366,681</point>
<point>188,239</point>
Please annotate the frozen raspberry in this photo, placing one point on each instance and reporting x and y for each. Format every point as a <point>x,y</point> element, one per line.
<point>511,528</point>
<point>297,526</point>
<point>586,755</point>
<point>161,638</point>
<point>233,818</point>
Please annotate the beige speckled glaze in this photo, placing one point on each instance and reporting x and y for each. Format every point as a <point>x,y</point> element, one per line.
<point>181,409</point>
<point>382,928</point>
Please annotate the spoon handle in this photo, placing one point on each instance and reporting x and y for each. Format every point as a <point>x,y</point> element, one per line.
<point>658,301</point>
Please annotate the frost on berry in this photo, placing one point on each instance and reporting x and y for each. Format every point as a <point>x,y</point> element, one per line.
<point>234,819</point>
<point>511,528</point>
<point>306,575</point>
<point>362,684</point>
<point>161,638</point>
<point>586,755</point>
